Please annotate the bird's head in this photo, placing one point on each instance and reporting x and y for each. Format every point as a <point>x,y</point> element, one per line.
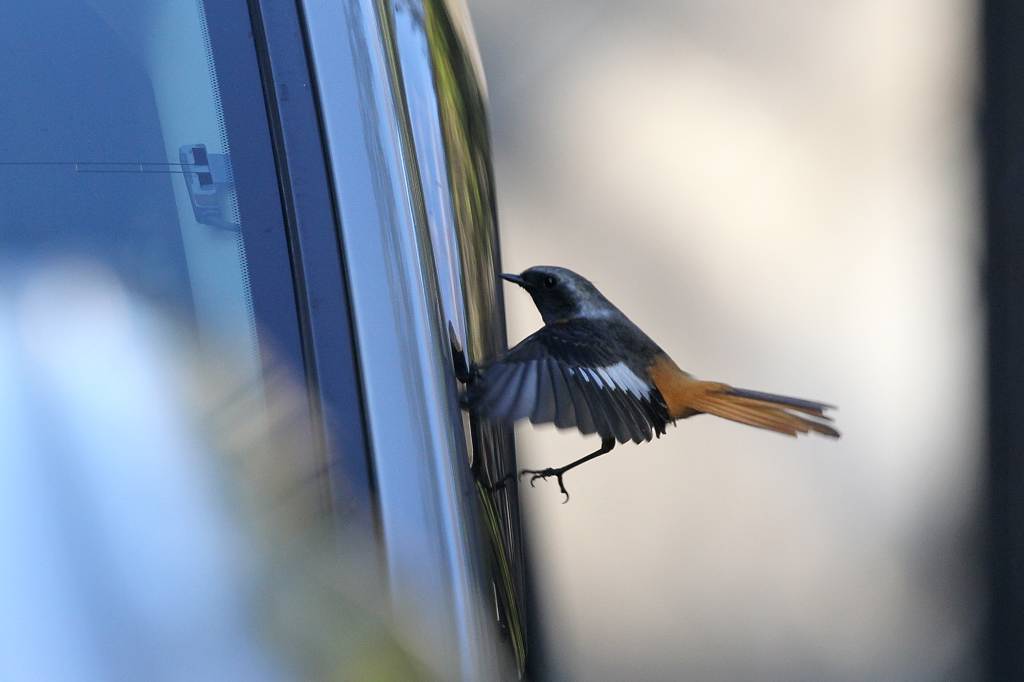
<point>561,294</point>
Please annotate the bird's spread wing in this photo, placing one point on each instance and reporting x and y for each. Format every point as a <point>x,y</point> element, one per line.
<point>563,374</point>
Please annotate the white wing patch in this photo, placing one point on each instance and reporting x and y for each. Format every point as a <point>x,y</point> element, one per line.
<point>614,376</point>
<point>622,377</point>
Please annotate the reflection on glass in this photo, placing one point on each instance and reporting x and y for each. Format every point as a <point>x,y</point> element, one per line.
<point>470,206</point>
<point>115,149</point>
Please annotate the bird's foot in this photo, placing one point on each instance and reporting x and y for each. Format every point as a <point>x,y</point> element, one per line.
<point>547,473</point>
<point>465,372</point>
<point>500,483</point>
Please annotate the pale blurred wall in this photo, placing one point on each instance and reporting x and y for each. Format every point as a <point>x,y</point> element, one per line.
<point>783,195</point>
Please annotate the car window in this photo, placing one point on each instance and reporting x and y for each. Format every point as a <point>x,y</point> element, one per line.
<point>134,135</point>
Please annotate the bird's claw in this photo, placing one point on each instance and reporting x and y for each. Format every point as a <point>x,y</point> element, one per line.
<point>501,482</point>
<point>544,474</point>
<point>465,371</point>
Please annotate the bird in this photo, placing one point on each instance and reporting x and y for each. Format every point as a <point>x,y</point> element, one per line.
<point>591,368</point>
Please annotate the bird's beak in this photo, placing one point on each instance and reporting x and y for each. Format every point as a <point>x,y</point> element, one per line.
<point>515,279</point>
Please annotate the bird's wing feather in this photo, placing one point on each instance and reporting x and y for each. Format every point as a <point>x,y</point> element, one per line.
<point>564,374</point>
<point>546,407</point>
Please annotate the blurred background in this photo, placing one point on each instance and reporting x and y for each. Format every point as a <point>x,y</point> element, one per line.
<point>168,524</point>
<point>784,195</point>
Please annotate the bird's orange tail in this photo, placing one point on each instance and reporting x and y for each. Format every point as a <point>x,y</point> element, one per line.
<point>687,396</point>
<point>779,413</point>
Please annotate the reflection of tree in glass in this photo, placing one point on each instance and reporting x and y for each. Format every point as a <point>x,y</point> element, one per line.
<point>463,117</point>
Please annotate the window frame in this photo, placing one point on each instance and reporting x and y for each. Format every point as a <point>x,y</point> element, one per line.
<point>329,356</point>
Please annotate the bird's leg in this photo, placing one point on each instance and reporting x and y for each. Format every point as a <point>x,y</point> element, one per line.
<point>606,446</point>
<point>477,468</point>
<point>501,482</point>
<point>465,372</point>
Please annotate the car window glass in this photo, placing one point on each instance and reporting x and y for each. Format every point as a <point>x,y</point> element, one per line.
<point>134,135</point>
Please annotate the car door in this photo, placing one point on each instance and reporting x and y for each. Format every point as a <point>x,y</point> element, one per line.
<point>260,171</point>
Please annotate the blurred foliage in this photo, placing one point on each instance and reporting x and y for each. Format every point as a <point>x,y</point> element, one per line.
<point>317,588</point>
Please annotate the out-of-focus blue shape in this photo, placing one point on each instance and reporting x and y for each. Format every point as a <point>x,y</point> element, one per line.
<point>118,560</point>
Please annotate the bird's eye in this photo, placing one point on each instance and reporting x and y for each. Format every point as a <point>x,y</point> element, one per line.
<point>549,282</point>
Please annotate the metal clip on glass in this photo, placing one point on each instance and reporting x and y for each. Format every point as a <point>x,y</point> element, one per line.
<point>210,184</point>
